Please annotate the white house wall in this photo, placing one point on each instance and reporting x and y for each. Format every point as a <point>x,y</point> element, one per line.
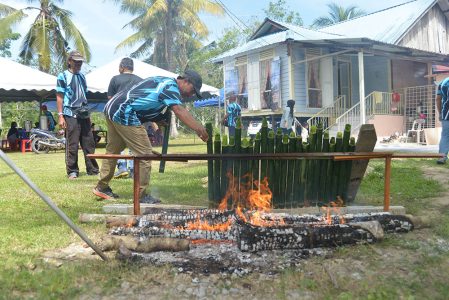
<point>299,79</point>
<point>281,52</point>
<point>253,82</point>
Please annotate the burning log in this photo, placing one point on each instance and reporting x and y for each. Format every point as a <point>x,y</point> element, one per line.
<point>145,245</point>
<point>252,238</point>
<point>195,234</point>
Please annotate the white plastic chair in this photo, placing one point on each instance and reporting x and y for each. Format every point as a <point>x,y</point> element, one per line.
<point>417,129</point>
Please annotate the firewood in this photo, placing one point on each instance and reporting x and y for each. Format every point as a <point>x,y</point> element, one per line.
<point>100,218</point>
<point>146,245</point>
<point>114,221</point>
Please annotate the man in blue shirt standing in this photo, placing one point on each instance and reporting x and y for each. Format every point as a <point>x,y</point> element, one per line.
<point>442,103</point>
<point>233,111</point>
<point>71,101</point>
<point>152,99</point>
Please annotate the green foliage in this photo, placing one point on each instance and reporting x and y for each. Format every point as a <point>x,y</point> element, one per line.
<point>18,112</point>
<point>337,14</point>
<point>280,11</point>
<point>50,37</point>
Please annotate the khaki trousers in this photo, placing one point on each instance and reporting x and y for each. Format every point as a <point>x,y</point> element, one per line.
<point>120,137</point>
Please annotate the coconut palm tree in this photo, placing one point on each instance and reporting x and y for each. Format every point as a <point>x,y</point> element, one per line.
<point>164,26</point>
<point>50,35</point>
<point>337,14</point>
<point>9,16</point>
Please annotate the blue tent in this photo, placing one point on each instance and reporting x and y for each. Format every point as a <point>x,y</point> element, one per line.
<point>214,101</point>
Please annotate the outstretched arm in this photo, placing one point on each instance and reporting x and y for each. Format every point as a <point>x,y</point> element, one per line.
<point>182,113</point>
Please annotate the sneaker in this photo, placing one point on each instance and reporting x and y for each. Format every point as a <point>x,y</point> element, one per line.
<point>93,173</point>
<point>441,161</point>
<point>105,193</point>
<point>148,199</point>
<point>121,174</point>
<point>73,175</point>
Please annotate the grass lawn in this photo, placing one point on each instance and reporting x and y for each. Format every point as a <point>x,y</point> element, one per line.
<point>411,265</point>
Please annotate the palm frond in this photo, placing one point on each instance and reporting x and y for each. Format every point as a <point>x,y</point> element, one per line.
<point>131,40</point>
<point>8,21</point>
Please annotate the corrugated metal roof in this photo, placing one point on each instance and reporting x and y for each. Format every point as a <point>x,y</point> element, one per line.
<point>292,32</point>
<point>387,25</point>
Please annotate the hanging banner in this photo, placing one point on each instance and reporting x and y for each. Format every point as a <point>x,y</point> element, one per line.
<point>231,83</point>
<point>275,83</point>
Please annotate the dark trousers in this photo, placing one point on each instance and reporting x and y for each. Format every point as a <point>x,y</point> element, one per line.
<point>78,131</point>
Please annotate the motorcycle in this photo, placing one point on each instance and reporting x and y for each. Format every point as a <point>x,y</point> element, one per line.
<point>42,141</point>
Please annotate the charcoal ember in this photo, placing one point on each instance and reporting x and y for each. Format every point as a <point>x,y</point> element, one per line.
<point>184,216</point>
<point>252,238</point>
<point>195,234</point>
<point>390,223</point>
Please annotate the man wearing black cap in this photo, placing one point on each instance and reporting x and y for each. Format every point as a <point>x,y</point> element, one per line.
<point>150,100</point>
<point>71,102</point>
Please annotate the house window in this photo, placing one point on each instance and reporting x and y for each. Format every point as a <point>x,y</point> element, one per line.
<point>242,92</point>
<point>314,93</point>
<point>266,98</point>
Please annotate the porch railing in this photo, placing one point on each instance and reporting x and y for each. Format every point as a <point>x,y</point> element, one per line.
<point>376,103</point>
<point>329,114</point>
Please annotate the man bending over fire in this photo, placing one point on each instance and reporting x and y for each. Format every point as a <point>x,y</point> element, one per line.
<point>149,100</point>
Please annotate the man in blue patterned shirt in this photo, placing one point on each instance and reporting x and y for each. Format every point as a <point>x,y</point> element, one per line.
<point>233,111</point>
<point>442,103</point>
<point>152,99</point>
<point>71,97</point>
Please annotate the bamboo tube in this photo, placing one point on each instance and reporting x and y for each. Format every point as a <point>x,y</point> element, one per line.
<point>245,179</point>
<point>330,172</point>
<point>283,173</point>
<point>349,168</point>
<point>311,165</point>
<point>238,149</point>
<point>343,177</point>
<point>316,188</point>
<point>263,147</point>
<point>323,169</point>
<point>270,164</point>
<point>277,169</point>
<point>297,200</point>
<point>304,179</point>
<point>337,166</point>
<point>224,166</point>
<point>256,163</point>
<point>230,170</point>
<point>210,166</point>
<point>290,179</point>
<point>217,170</point>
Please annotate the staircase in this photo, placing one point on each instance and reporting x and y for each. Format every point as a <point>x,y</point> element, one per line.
<point>335,116</point>
<point>329,114</point>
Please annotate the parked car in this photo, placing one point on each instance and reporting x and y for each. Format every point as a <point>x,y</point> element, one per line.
<point>254,127</point>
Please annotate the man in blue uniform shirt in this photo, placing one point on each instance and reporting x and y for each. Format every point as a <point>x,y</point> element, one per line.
<point>71,101</point>
<point>442,103</point>
<point>152,99</point>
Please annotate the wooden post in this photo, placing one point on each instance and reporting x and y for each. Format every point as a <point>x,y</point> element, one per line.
<point>387,183</point>
<point>136,183</point>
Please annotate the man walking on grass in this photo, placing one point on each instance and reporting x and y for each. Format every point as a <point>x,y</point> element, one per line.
<point>152,99</point>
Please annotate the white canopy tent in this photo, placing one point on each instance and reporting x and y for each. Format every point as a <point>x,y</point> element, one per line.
<point>98,80</point>
<point>22,83</point>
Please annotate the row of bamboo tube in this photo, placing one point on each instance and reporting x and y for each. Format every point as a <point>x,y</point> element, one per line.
<point>293,183</point>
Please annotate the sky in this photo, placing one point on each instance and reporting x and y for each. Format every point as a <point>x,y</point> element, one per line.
<point>102,24</point>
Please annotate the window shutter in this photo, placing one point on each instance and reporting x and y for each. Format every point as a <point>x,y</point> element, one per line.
<point>266,54</point>
<point>313,51</point>
<point>242,60</point>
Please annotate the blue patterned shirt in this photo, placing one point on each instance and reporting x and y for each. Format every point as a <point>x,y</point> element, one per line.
<point>443,91</point>
<point>233,110</point>
<point>149,100</point>
<point>74,89</point>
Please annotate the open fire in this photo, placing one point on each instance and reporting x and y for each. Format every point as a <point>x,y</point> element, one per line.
<point>245,218</point>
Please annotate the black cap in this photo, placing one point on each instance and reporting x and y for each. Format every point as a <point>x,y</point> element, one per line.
<point>195,79</point>
<point>127,63</point>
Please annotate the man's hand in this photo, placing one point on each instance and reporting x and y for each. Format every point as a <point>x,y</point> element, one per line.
<point>61,122</point>
<point>202,133</point>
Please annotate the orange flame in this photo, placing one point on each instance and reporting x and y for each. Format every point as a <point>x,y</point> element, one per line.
<point>334,206</point>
